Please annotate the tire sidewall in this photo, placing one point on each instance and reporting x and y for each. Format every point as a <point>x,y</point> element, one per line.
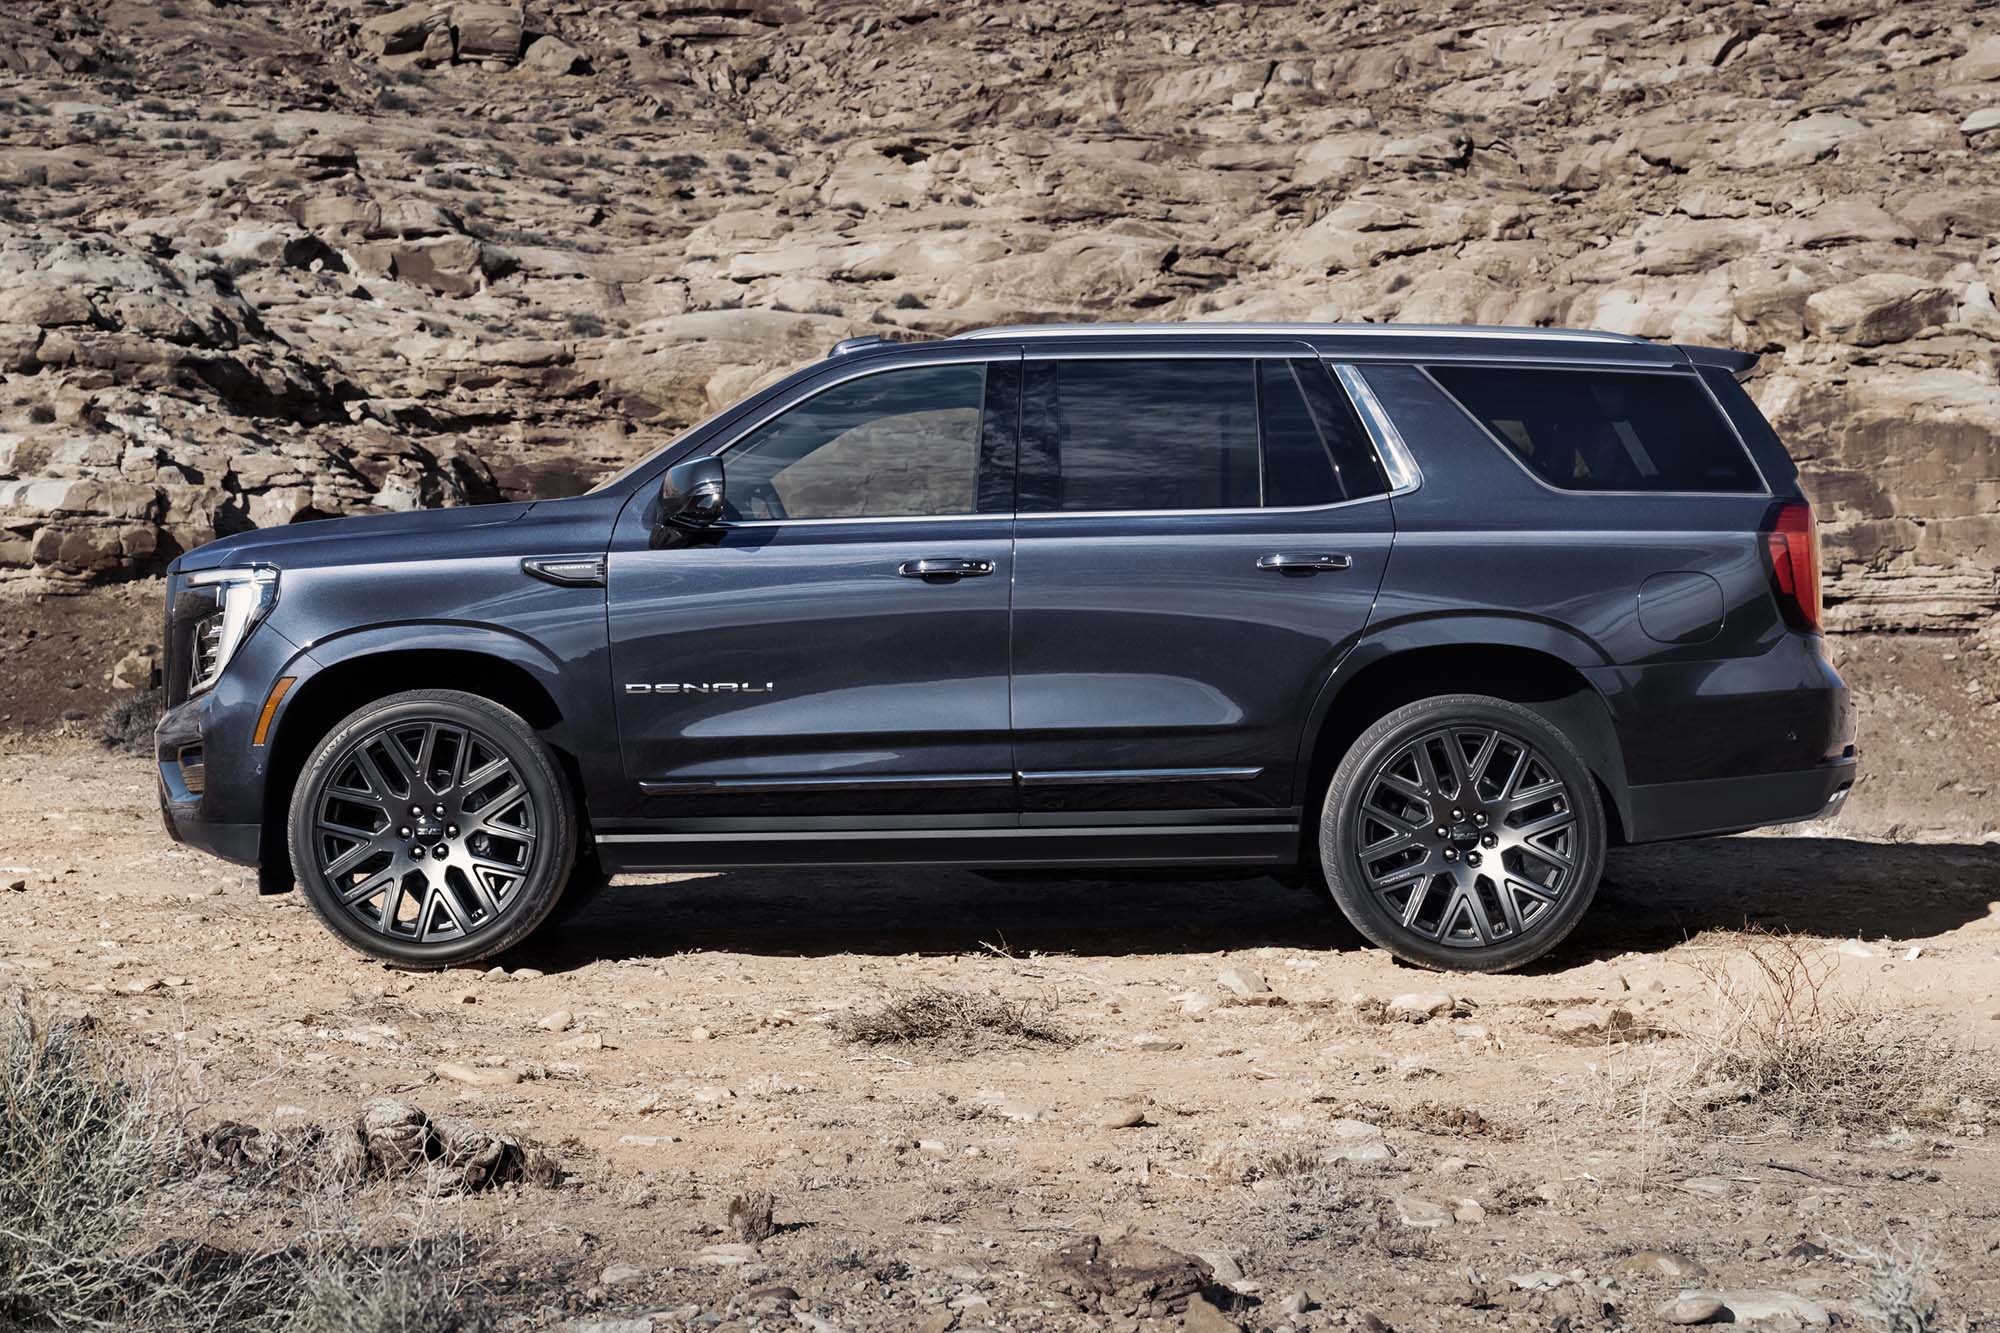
<point>555,812</point>
<point>1343,806</point>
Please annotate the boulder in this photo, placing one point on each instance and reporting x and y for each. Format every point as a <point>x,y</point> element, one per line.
<point>413,28</point>
<point>553,55</point>
<point>1879,308</point>
<point>488,32</point>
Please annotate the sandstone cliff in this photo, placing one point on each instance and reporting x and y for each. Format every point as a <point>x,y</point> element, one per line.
<point>263,260</point>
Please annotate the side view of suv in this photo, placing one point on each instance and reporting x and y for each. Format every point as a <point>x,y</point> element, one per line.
<point>1431,616</point>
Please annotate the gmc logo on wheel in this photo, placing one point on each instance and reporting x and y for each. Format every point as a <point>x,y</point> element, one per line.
<point>710,687</point>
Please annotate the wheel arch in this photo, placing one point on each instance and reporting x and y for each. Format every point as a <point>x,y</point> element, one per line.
<point>494,666</point>
<point>1537,671</point>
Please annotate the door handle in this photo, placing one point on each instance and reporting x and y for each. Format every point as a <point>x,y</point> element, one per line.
<point>944,567</point>
<point>1290,562</point>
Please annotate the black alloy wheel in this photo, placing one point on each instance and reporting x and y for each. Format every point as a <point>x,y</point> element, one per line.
<point>1463,832</point>
<point>432,828</point>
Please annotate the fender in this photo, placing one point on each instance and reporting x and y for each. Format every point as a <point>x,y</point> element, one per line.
<point>1587,721</point>
<point>579,689</point>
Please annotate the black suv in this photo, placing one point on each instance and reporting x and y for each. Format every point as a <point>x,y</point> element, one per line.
<point>1433,615</point>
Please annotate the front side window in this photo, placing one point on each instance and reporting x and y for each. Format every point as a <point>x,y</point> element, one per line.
<point>1605,430</point>
<point>899,444</point>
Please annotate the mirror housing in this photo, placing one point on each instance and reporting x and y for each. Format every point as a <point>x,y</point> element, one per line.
<point>691,494</point>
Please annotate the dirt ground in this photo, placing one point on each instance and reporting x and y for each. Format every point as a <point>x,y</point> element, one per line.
<point>1532,1149</point>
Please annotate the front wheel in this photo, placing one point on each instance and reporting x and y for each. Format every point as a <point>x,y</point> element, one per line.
<point>432,828</point>
<point>1463,832</point>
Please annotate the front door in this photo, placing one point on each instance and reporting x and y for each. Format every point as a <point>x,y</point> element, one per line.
<point>1200,540</point>
<point>836,648</point>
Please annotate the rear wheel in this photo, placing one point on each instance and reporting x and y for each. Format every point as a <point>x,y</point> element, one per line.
<point>1463,832</point>
<point>432,828</point>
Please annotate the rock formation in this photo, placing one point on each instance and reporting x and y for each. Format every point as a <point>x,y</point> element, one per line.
<point>265,260</point>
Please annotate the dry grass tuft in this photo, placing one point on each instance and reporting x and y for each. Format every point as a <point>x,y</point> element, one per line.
<point>955,1020</point>
<point>1786,1042</point>
<point>91,1153</point>
<point>1902,1296</point>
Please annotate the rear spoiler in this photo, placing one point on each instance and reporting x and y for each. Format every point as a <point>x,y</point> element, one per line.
<point>1736,363</point>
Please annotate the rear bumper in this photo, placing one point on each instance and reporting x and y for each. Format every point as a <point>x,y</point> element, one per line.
<point>1730,805</point>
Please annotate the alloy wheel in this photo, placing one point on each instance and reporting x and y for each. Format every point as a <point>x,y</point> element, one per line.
<point>1467,836</point>
<point>424,830</point>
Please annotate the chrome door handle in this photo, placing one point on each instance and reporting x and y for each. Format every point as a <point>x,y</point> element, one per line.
<point>1286,562</point>
<point>944,567</point>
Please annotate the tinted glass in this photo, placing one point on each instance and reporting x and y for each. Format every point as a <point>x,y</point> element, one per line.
<point>1603,430</point>
<point>1122,435</point>
<point>901,444</point>
<point>1297,468</point>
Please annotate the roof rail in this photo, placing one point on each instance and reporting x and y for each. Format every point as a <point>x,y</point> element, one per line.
<point>868,341</point>
<point>1199,329</point>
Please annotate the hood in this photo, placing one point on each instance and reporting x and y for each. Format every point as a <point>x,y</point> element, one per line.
<point>271,545</point>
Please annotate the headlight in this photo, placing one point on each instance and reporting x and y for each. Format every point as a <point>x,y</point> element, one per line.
<point>243,598</point>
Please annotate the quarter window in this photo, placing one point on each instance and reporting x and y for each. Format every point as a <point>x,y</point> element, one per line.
<point>899,444</point>
<point>1604,430</point>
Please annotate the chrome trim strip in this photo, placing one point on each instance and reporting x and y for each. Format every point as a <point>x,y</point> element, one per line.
<point>1080,777</point>
<point>1398,464</point>
<point>1198,329</point>
<point>1515,458</point>
<point>724,786</point>
<point>850,835</point>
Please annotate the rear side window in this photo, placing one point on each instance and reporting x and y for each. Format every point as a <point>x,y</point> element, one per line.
<point>1121,435</point>
<point>1605,430</point>
<point>1188,433</point>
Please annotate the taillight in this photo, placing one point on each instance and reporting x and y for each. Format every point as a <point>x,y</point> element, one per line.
<point>1792,540</point>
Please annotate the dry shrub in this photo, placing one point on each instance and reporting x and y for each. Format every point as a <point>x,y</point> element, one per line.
<point>91,1156</point>
<point>1902,1287</point>
<point>81,1144</point>
<point>956,1020</point>
<point>127,725</point>
<point>1786,1042</point>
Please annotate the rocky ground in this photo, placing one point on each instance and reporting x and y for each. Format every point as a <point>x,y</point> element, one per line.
<point>267,260</point>
<point>1318,1137</point>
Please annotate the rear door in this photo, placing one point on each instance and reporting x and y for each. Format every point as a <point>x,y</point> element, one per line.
<point>837,646</point>
<point>1200,539</point>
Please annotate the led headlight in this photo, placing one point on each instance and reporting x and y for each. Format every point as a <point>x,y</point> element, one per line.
<point>243,597</point>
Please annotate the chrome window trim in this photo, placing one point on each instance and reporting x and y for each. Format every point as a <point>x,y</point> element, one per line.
<point>1399,465</point>
<point>1225,329</point>
<point>1514,458</point>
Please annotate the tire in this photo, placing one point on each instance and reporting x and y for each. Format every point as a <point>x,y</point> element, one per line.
<point>365,828</point>
<point>1490,887</point>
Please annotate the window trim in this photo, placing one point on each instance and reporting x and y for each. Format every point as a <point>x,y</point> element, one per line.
<point>1381,428</point>
<point>1277,350</point>
<point>814,390</point>
<point>1707,393</point>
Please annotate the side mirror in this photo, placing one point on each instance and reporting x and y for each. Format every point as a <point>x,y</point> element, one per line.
<point>691,493</point>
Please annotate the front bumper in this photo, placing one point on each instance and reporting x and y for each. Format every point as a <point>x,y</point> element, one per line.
<point>211,774</point>
<point>182,746</point>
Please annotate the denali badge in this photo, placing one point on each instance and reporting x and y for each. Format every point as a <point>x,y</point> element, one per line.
<point>713,687</point>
